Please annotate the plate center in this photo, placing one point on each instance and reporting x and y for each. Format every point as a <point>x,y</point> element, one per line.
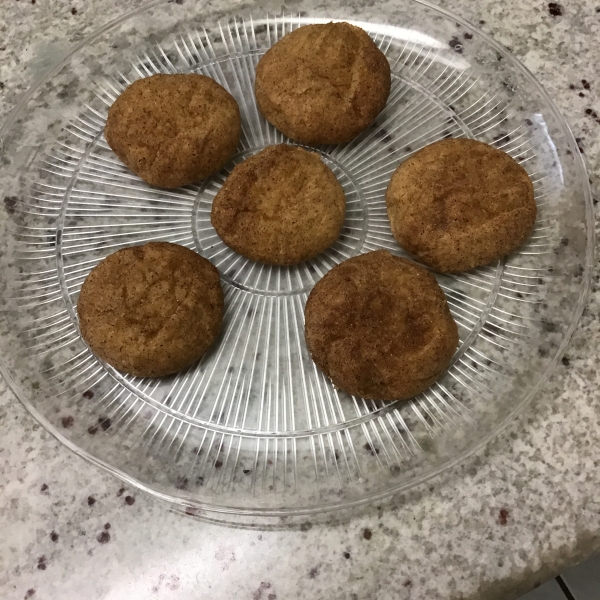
<point>274,280</point>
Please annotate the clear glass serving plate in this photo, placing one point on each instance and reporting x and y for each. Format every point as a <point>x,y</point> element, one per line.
<point>255,430</point>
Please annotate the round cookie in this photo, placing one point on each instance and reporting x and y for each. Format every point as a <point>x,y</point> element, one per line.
<point>281,206</point>
<point>323,84</point>
<point>459,204</point>
<point>172,130</point>
<point>151,310</point>
<point>379,327</point>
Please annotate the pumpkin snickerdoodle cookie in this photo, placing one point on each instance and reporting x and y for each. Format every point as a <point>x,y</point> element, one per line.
<point>379,327</point>
<point>282,206</point>
<point>323,84</point>
<point>459,204</point>
<point>173,130</point>
<point>151,310</point>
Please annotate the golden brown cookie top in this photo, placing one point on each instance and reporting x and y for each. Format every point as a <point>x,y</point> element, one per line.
<point>323,84</point>
<point>151,310</point>
<point>172,130</point>
<point>281,206</point>
<point>459,203</point>
<point>380,327</point>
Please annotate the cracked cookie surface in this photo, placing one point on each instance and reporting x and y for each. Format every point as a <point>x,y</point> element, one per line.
<point>379,326</point>
<point>323,84</point>
<point>151,310</point>
<point>459,204</point>
<point>173,130</point>
<point>281,206</point>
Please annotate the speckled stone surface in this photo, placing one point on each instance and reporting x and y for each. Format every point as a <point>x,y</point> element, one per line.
<point>509,518</point>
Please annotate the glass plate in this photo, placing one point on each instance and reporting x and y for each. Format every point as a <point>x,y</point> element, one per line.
<point>255,429</point>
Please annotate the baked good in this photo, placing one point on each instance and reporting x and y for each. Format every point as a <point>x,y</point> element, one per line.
<point>151,310</point>
<point>379,327</point>
<point>459,204</point>
<point>172,130</point>
<point>281,206</point>
<point>323,84</point>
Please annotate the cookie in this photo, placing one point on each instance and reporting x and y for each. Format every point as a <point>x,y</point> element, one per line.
<point>379,327</point>
<point>323,84</point>
<point>151,310</point>
<point>459,204</point>
<point>172,130</point>
<point>281,206</point>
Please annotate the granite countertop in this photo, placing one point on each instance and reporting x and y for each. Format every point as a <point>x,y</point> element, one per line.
<point>508,519</point>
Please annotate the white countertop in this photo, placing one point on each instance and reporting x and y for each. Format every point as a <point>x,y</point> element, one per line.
<point>511,517</point>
